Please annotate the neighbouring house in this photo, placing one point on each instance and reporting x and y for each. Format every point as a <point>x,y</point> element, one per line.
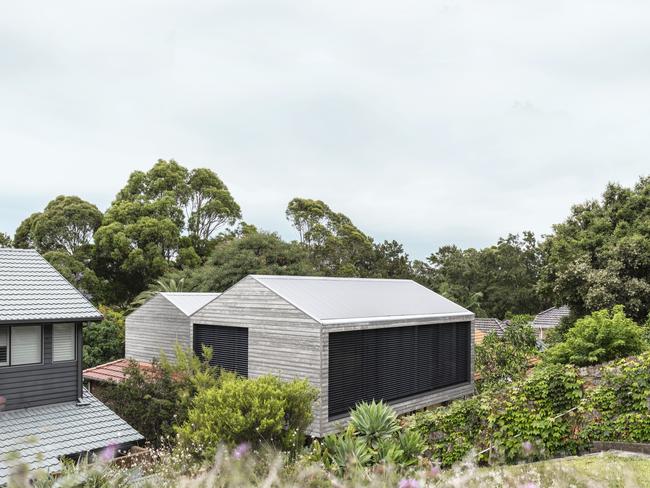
<point>549,319</point>
<point>485,326</point>
<point>45,414</point>
<point>161,323</point>
<point>354,339</point>
<point>97,377</point>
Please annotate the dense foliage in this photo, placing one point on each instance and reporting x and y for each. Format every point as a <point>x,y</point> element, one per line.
<point>259,411</point>
<point>602,336</point>
<point>104,341</point>
<point>600,255</point>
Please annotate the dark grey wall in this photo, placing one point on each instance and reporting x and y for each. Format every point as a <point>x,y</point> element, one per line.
<point>42,384</point>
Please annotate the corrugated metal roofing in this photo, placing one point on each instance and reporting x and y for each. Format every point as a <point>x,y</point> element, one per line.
<point>39,436</point>
<point>32,290</point>
<point>551,317</point>
<point>341,300</point>
<point>189,302</point>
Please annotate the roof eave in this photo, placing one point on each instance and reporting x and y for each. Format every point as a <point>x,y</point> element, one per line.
<point>401,318</point>
<point>51,320</point>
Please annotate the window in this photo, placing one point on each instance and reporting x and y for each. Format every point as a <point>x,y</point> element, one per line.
<point>4,346</point>
<point>393,363</point>
<point>63,342</point>
<point>229,346</point>
<point>25,345</point>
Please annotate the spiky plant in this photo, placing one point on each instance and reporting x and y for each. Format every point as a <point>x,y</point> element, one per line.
<point>374,421</point>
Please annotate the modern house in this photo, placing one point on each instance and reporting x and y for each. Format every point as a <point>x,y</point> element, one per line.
<point>161,323</point>
<point>353,339</point>
<point>45,414</point>
<point>549,319</point>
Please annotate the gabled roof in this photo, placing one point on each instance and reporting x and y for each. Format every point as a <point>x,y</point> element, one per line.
<point>551,317</point>
<point>113,371</point>
<point>32,290</point>
<point>488,325</point>
<point>344,300</point>
<point>189,302</point>
<point>41,435</point>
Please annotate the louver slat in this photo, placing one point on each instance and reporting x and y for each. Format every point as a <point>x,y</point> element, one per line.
<point>394,363</point>
<point>229,346</point>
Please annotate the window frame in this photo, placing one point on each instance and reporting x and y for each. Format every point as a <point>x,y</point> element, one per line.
<point>74,343</point>
<point>7,330</point>
<point>42,346</point>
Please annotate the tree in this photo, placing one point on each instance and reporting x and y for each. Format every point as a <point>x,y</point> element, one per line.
<point>491,281</point>
<point>602,336</point>
<point>66,224</point>
<point>248,252</point>
<point>76,272</point>
<point>335,245</point>
<point>165,284</point>
<point>104,341</point>
<point>163,219</point>
<point>390,261</point>
<point>5,240</point>
<point>600,255</point>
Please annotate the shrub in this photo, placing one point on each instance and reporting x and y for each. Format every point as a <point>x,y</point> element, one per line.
<point>263,410</point>
<point>499,362</point>
<point>602,336</point>
<point>104,341</point>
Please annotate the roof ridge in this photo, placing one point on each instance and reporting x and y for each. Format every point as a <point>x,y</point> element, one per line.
<point>333,278</point>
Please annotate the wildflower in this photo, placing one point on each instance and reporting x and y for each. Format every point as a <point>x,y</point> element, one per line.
<point>435,470</point>
<point>530,484</point>
<point>527,447</point>
<point>241,450</point>
<point>409,483</point>
<point>108,453</point>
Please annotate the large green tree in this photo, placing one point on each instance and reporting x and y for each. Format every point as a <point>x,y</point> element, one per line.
<point>66,224</point>
<point>163,219</point>
<point>491,281</point>
<point>600,255</point>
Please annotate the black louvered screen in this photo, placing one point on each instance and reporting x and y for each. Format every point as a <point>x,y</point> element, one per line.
<point>229,346</point>
<point>393,363</point>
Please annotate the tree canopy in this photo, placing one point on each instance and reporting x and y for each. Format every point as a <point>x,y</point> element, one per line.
<point>600,255</point>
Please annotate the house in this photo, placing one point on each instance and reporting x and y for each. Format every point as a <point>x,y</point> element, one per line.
<point>45,414</point>
<point>113,372</point>
<point>485,326</point>
<point>353,339</point>
<point>549,319</point>
<point>161,323</point>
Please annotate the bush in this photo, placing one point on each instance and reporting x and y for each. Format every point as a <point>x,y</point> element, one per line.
<point>602,336</point>
<point>263,410</point>
<point>372,437</point>
<point>502,360</point>
<point>104,341</point>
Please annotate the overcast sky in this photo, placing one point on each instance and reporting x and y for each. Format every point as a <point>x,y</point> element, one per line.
<point>428,122</point>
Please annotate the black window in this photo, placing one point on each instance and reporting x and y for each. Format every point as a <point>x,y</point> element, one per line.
<point>393,363</point>
<point>229,346</point>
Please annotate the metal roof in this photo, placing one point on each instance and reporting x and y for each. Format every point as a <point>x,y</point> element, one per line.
<point>189,302</point>
<point>39,436</point>
<point>32,290</point>
<point>345,300</point>
<point>551,317</point>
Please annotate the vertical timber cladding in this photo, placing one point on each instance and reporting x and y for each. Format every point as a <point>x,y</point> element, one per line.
<point>393,363</point>
<point>229,346</point>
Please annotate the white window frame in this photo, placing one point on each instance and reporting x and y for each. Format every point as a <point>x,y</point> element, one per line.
<point>5,336</point>
<point>74,342</point>
<point>12,349</point>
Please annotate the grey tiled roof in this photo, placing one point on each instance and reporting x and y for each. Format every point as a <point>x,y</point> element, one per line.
<point>488,325</point>
<point>345,300</point>
<point>39,436</point>
<point>551,317</point>
<point>32,290</point>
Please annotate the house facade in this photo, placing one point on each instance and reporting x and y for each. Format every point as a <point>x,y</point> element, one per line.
<point>353,339</point>
<point>41,321</point>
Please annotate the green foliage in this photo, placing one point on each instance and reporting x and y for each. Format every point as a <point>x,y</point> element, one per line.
<point>161,220</point>
<point>249,252</point>
<point>602,336</point>
<point>618,409</point>
<point>492,281</point>
<point>373,436</point>
<point>600,255</point>
<point>77,273</point>
<point>104,341</point>
<point>525,420</point>
<point>66,224</point>
<point>5,240</point>
<point>165,284</point>
<point>520,333</point>
<point>264,410</point>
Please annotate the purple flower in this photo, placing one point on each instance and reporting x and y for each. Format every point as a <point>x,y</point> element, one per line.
<point>241,450</point>
<point>530,484</point>
<point>409,483</point>
<point>108,453</point>
<point>527,446</point>
<point>435,470</point>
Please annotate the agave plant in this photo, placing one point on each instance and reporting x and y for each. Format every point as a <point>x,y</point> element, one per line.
<point>412,445</point>
<point>344,451</point>
<point>374,421</point>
